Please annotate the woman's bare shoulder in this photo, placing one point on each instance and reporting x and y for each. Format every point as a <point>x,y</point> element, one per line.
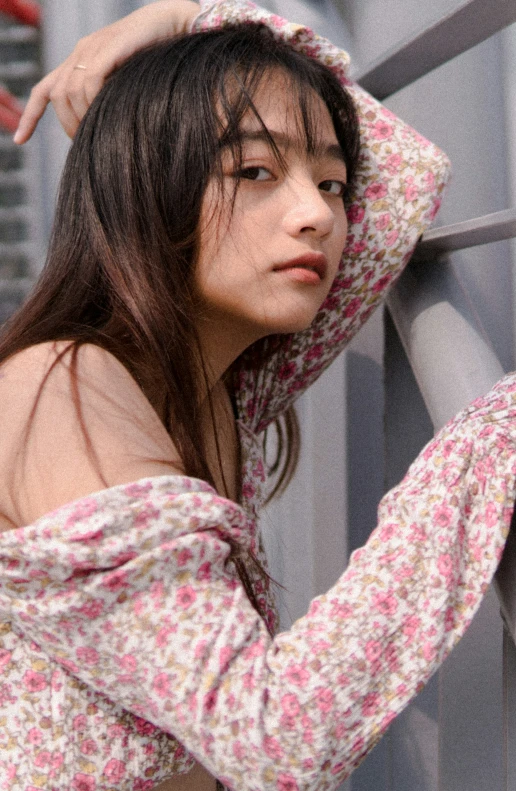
<point>101,379</point>
<point>51,465</point>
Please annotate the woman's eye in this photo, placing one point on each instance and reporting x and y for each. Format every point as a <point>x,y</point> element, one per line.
<point>334,187</point>
<point>255,174</point>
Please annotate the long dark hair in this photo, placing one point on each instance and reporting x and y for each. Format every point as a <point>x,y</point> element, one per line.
<point>119,270</point>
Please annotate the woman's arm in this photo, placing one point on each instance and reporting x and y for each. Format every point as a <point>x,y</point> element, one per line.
<point>135,579</point>
<point>71,88</point>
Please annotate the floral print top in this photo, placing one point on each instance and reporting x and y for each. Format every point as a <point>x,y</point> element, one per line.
<point>128,647</point>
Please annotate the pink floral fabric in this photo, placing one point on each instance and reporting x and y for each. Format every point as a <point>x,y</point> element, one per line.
<point>128,647</point>
<point>124,628</point>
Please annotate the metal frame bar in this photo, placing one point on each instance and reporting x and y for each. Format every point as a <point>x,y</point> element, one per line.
<point>482,230</point>
<point>436,321</point>
<point>471,23</point>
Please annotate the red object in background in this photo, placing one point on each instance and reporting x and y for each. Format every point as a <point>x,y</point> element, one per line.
<point>10,111</point>
<point>26,11</point>
<point>29,13</point>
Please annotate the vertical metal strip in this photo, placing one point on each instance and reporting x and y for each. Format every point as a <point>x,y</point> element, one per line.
<point>509,711</point>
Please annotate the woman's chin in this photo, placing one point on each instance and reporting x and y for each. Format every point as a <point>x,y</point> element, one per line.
<point>287,325</point>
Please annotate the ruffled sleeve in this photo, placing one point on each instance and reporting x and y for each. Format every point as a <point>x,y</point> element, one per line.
<point>399,184</point>
<point>130,590</point>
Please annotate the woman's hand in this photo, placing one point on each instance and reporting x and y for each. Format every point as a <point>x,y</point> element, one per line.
<point>73,85</point>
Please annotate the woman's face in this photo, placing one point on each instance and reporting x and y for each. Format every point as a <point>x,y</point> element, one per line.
<point>267,264</point>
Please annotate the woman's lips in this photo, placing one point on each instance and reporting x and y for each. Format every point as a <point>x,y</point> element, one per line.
<point>309,268</point>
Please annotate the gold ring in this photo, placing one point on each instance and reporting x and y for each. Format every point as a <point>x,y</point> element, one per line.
<point>80,66</point>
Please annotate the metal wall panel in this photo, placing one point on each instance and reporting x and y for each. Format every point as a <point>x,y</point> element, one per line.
<point>365,410</point>
<point>64,22</point>
<point>470,710</point>
<point>21,232</point>
<point>376,26</point>
<point>450,35</point>
<point>509,711</point>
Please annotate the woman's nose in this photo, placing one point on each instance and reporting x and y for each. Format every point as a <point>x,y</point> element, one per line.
<point>308,211</point>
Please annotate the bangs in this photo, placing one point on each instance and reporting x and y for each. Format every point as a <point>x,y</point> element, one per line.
<point>235,100</point>
<point>250,56</point>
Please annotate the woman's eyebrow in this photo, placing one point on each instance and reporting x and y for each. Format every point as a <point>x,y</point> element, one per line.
<point>285,141</point>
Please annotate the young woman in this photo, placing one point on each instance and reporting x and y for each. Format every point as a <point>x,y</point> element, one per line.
<point>195,285</point>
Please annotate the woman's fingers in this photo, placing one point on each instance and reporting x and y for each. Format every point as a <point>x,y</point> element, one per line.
<point>80,91</point>
<point>71,89</point>
<point>54,88</point>
<point>34,109</point>
<point>68,117</point>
